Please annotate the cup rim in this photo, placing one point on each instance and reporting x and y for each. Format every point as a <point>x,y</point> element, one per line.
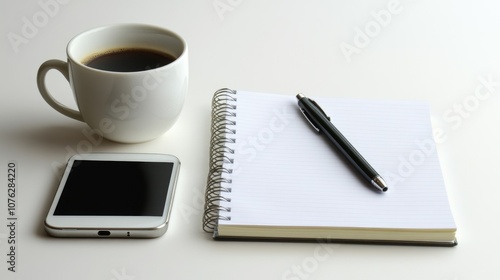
<point>124,25</point>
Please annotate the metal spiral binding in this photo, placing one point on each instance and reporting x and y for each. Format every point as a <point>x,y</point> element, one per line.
<point>222,130</point>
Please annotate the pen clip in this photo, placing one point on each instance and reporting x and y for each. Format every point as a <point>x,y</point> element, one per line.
<point>309,120</point>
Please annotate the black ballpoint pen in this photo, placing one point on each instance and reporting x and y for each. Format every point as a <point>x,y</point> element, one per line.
<point>322,124</point>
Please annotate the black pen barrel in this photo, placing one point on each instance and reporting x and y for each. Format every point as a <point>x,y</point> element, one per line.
<point>338,139</point>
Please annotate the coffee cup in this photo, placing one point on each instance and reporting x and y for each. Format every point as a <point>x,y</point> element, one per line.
<point>129,80</point>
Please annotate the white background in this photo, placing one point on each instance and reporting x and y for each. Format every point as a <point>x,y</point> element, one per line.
<point>438,51</point>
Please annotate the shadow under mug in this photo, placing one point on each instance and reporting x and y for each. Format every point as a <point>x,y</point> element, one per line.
<point>127,107</point>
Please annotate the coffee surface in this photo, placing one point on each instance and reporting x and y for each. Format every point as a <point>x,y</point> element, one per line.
<point>129,60</point>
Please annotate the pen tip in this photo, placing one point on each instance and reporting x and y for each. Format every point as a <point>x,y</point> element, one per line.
<point>300,96</point>
<point>380,184</point>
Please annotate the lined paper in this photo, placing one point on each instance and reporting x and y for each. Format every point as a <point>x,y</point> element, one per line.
<point>285,174</point>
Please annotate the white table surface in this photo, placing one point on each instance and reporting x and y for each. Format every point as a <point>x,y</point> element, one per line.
<point>444,52</point>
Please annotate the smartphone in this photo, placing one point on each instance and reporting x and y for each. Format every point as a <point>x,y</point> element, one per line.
<point>114,195</point>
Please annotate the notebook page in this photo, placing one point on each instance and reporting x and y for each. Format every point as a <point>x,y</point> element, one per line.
<point>285,174</point>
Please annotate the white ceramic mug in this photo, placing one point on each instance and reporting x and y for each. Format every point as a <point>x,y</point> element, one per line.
<point>127,107</point>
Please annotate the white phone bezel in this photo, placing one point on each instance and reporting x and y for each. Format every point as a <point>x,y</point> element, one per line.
<point>113,226</point>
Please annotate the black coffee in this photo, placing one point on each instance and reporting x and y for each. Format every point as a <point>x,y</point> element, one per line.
<point>129,60</point>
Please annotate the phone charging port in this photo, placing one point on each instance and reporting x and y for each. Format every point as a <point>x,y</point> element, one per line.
<point>103,233</point>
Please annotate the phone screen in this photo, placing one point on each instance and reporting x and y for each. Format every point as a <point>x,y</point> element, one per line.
<point>115,188</point>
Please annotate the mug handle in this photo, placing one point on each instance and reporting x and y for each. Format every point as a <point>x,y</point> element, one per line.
<point>62,67</point>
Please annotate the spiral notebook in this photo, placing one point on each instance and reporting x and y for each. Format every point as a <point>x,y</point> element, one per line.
<point>271,177</point>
